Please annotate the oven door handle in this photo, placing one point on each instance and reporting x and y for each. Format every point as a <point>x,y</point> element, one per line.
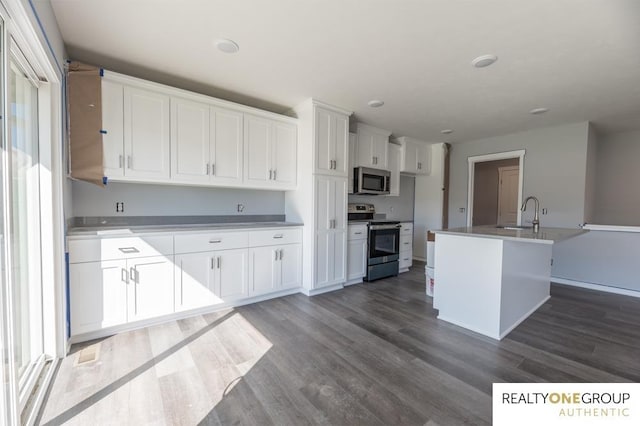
<point>382,227</point>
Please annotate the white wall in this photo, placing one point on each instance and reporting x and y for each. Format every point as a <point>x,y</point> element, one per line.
<point>166,200</point>
<point>555,166</point>
<point>591,174</point>
<point>428,202</point>
<point>617,200</point>
<point>396,208</point>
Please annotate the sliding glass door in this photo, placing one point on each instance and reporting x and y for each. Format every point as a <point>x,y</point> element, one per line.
<point>25,224</point>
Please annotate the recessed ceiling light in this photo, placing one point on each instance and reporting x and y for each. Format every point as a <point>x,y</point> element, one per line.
<point>227,46</point>
<point>446,131</point>
<point>376,103</point>
<point>484,61</point>
<point>538,111</point>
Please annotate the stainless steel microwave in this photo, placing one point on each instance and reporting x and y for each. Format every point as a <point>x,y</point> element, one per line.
<point>371,181</point>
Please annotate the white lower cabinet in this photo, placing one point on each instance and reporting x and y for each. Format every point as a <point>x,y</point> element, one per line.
<point>150,287</point>
<point>113,292</point>
<point>330,258</point>
<point>274,268</point>
<point>356,253</point>
<point>406,246</point>
<point>98,295</point>
<point>230,278</point>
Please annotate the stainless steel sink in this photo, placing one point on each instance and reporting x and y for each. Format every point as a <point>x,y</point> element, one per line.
<point>515,228</point>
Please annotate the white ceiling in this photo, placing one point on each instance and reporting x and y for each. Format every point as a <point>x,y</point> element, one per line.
<point>579,58</point>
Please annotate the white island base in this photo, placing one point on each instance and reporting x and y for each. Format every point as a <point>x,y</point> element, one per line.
<point>490,285</point>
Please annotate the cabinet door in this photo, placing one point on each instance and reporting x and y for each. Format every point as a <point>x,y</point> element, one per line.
<point>231,277</point>
<point>324,141</point>
<point>227,146</point>
<point>325,242</point>
<point>394,167</point>
<point>356,259</point>
<point>194,281</point>
<point>150,288</point>
<point>284,155</point>
<point>290,266</point>
<point>146,134</point>
<point>339,256</point>
<point>98,295</point>
<point>257,150</point>
<point>341,145</point>
<point>325,204</point>
<point>189,141</point>
<point>410,157</point>
<point>264,270</point>
<point>365,149</point>
<point>423,163</point>
<point>339,202</point>
<point>112,123</point>
<point>380,151</point>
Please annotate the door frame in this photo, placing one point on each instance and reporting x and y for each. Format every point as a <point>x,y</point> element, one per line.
<point>519,154</point>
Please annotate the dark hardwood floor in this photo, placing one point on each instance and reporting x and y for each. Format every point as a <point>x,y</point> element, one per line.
<point>371,354</point>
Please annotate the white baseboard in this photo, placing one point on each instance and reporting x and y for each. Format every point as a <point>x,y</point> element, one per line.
<point>110,331</point>
<point>420,259</point>
<point>597,287</point>
<point>316,291</point>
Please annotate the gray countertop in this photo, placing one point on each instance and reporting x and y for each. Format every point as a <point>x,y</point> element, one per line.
<point>544,235</point>
<point>115,231</point>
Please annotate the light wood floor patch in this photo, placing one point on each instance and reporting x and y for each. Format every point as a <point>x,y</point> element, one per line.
<point>371,354</point>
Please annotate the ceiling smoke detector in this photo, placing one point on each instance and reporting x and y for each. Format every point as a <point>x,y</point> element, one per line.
<point>538,111</point>
<point>376,103</point>
<point>484,61</point>
<point>446,131</point>
<point>227,46</point>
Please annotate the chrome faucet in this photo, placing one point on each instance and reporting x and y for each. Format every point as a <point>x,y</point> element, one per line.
<point>536,216</point>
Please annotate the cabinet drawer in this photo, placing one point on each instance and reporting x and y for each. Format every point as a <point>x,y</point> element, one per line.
<point>357,232</point>
<point>406,244</point>
<point>119,248</point>
<point>209,241</point>
<point>406,228</point>
<point>275,236</point>
<point>405,260</point>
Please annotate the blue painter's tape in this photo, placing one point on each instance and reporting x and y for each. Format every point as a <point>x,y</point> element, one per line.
<point>101,72</point>
<point>104,180</point>
<point>104,132</point>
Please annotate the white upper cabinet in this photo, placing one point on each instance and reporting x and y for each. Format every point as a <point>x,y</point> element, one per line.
<point>270,158</point>
<point>416,156</point>
<point>353,149</point>
<point>113,128</point>
<point>146,134</point>
<point>190,140</point>
<point>395,158</point>
<point>372,146</point>
<point>226,160</point>
<point>331,141</point>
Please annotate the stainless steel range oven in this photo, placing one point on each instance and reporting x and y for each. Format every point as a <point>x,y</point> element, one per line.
<point>384,249</point>
<point>383,242</point>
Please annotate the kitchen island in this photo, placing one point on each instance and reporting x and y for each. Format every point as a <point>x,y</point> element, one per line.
<point>490,279</point>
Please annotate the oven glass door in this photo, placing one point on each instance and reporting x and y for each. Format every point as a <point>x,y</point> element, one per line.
<point>384,242</point>
<point>371,182</point>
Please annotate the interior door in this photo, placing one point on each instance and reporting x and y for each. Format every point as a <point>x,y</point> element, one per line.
<point>508,195</point>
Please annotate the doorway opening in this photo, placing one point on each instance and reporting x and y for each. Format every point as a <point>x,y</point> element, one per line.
<point>495,189</point>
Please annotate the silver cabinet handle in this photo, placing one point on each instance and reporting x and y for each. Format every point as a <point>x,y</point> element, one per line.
<point>406,258</point>
<point>129,162</point>
<point>419,165</point>
<point>357,233</point>
<point>278,236</point>
<point>120,161</point>
<point>218,262</point>
<point>124,276</point>
<point>207,168</point>
<point>274,174</point>
<point>214,241</point>
<point>281,253</point>
<point>212,264</point>
<point>133,274</point>
<point>276,253</point>
<point>128,250</point>
<point>270,174</point>
<point>213,169</point>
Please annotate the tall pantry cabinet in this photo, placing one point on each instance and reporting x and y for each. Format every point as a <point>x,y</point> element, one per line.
<point>320,201</point>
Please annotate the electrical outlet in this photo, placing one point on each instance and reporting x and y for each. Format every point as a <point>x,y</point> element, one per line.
<point>391,209</point>
<point>120,207</point>
<point>240,208</point>
<point>461,209</point>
